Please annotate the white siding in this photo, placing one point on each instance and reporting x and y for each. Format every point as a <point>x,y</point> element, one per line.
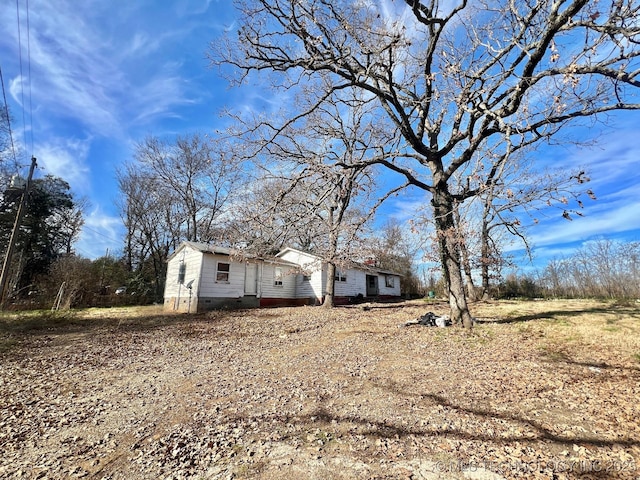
<point>202,267</point>
<point>310,264</point>
<point>311,288</point>
<point>210,288</point>
<point>305,260</point>
<point>355,284</point>
<point>270,290</point>
<point>192,260</point>
<point>391,291</point>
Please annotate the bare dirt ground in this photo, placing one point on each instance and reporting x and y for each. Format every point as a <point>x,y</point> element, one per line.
<point>547,389</point>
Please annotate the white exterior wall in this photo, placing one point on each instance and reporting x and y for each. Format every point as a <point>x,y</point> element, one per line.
<point>268,288</point>
<point>310,264</point>
<point>311,288</point>
<point>193,261</point>
<point>391,291</point>
<point>211,288</point>
<point>201,268</point>
<point>305,260</point>
<point>356,284</point>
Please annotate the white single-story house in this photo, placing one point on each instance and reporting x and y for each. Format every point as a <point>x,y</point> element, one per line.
<point>203,277</point>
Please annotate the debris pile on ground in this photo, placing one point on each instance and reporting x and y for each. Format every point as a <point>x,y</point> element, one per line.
<point>430,319</point>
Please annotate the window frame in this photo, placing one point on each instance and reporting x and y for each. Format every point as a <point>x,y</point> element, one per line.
<point>340,276</point>
<point>182,272</point>
<point>278,275</point>
<point>389,281</point>
<point>221,273</point>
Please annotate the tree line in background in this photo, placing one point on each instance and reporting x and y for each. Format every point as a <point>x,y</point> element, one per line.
<point>600,269</point>
<point>189,190</point>
<point>261,215</point>
<point>201,189</point>
<point>186,189</point>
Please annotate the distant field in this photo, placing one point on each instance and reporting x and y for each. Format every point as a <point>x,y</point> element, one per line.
<point>546,389</point>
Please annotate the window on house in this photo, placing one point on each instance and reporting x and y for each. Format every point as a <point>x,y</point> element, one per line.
<point>306,278</point>
<point>340,276</point>
<point>277,277</point>
<point>182,271</point>
<point>389,281</point>
<point>222,272</point>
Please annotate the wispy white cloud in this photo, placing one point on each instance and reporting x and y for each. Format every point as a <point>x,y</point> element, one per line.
<point>70,69</point>
<point>98,63</point>
<point>16,89</point>
<point>605,221</point>
<point>100,232</point>
<point>190,7</point>
<point>157,99</point>
<point>66,158</point>
<point>407,209</point>
<point>612,165</point>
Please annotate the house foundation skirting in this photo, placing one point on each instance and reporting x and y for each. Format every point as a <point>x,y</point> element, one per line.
<point>194,305</point>
<point>286,302</point>
<point>204,304</point>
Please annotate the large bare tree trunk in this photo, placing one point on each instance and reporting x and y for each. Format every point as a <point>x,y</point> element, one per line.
<point>330,284</point>
<point>448,243</point>
<point>466,262</point>
<point>485,258</point>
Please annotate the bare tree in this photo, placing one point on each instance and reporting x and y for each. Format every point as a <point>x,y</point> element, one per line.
<point>394,248</point>
<point>152,232</point>
<point>449,80</point>
<point>602,268</point>
<point>195,175</point>
<point>256,223</point>
<point>323,196</point>
<point>515,200</point>
<point>330,152</point>
<point>173,192</point>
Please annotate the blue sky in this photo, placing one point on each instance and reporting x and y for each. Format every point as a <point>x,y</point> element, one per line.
<point>103,75</point>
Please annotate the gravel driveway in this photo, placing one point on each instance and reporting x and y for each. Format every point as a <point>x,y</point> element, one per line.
<point>305,393</point>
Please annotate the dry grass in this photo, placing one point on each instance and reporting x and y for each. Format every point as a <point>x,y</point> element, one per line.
<point>544,389</point>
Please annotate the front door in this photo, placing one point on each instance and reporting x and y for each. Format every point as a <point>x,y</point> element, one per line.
<point>251,279</point>
<point>372,285</point>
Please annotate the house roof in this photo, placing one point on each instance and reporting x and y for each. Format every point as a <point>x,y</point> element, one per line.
<point>200,247</point>
<point>216,249</point>
<point>352,264</point>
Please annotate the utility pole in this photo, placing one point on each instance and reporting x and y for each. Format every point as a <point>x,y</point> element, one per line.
<point>14,233</point>
<point>104,261</point>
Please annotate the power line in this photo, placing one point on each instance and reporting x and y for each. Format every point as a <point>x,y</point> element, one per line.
<point>101,234</point>
<point>29,70</point>
<point>6,109</point>
<point>24,120</point>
